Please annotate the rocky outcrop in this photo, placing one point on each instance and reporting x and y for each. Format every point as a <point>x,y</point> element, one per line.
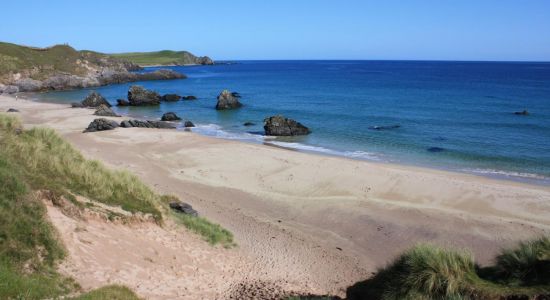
<point>170,116</point>
<point>122,102</point>
<point>8,89</point>
<point>139,96</point>
<point>147,124</point>
<point>190,97</point>
<point>521,113</point>
<point>184,208</point>
<point>94,99</point>
<point>170,97</point>
<point>188,124</point>
<point>226,100</point>
<point>105,111</point>
<point>101,124</point>
<point>28,85</point>
<point>204,60</point>
<point>281,126</point>
<point>12,110</point>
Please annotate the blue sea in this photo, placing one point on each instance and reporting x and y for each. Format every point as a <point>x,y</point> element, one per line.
<point>455,116</point>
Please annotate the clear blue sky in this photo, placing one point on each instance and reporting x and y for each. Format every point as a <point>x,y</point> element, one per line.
<point>285,29</point>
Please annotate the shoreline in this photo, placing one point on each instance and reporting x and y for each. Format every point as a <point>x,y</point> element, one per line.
<point>316,221</point>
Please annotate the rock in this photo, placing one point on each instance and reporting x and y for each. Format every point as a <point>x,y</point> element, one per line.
<point>227,101</point>
<point>281,126</point>
<point>184,208</point>
<point>28,85</point>
<point>101,124</point>
<point>77,105</point>
<point>384,127</point>
<point>521,113</point>
<point>94,99</point>
<point>188,124</point>
<point>105,111</point>
<point>248,124</point>
<point>171,97</point>
<point>122,102</point>
<point>236,95</point>
<point>190,97</point>
<point>170,116</point>
<point>10,89</point>
<point>12,110</point>
<point>147,124</point>
<point>138,96</point>
<point>435,149</point>
<point>205,60</point>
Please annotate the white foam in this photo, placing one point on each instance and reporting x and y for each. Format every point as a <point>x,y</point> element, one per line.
<point>318,149</point>
<point>216,131</point>
<point>507,173</point>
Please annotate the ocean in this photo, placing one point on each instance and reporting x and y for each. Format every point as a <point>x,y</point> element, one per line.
<point>456,116</point>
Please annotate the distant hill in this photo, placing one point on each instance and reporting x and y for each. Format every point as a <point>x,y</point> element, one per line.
<point>164,58</point>
<point>24,68</point>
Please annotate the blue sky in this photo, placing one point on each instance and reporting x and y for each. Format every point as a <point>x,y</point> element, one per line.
<point>284,29</point>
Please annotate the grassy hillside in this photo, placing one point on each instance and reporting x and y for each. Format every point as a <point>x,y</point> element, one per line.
<point>165,57</point>
<point>38,159</point>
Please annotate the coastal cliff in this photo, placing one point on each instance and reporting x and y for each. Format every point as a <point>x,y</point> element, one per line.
<point>164,58</point>
<point>61,67</point>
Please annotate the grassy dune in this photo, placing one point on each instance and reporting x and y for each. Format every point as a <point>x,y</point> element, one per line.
<point>165,57</point>
<point>39,159</point>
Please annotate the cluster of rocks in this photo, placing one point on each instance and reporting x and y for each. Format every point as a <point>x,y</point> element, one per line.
<point>147,124</point>
<point>139,96</point>
<point>101,124</point>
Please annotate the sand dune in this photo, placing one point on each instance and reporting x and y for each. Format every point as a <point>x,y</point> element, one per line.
<point>306,222</point>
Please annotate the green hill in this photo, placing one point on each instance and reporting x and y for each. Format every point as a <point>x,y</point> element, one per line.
<point>164,57</point>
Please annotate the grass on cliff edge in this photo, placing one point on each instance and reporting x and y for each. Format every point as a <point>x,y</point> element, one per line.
<point>430,272</point>
<point>165,57</point>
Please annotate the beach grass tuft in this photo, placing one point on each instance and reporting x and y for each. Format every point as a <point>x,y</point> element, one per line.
<point>111,292</point>
<point>528,263</point>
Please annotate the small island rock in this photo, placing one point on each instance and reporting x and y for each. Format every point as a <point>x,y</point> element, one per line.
<point>190,97</point>
<point>281,126</point>
<point>227,101</point>
<point>139,96</point>
<point>171,97</point>
<point>521,113</point>
<point>170,116</point>
<point>94,99</point>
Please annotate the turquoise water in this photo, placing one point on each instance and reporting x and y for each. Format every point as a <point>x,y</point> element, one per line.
<point>452,115</point>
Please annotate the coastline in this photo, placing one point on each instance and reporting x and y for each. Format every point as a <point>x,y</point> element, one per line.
<point>369,211</point>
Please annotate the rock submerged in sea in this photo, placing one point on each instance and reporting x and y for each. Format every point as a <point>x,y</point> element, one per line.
<point>105,111</point>
<point>435,149</point>
<point>122,102</point>
<point>248,124</point>
<point>139,96</point>
<point>94,99</point>
<point>101,124</point>
<point>281,126</point>
<point>226,100</point>
<point>147,124</point>
<point>184,208</point>
<point>387,127</point>
<point>188,124</point>
<point>170,97</point>
<point>521,113</point>
<point>190,97</point>
<point>170,116</point>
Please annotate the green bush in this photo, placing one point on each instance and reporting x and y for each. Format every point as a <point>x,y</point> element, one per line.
<point>526,264</point>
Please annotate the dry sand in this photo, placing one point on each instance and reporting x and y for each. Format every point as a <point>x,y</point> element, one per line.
<point>303,222</point>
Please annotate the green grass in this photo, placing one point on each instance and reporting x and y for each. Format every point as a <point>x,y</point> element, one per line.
<point>49,162</point>
<point>212,233</point>
<point>430,272</point>
<point>112,292</point>
<point>165,57</point>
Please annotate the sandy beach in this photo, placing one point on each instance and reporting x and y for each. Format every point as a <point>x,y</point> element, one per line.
<point>302,222</point>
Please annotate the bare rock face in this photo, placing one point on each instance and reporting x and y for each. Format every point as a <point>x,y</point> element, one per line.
<point>28,85</point>
<point>94,99</point>
<point>147,124</point>
<point>105,111</point>
<point>101,124</point>
<point>226,100</point>
<point>281,126</point>
<point>139,96</point>
<point>170,116</point>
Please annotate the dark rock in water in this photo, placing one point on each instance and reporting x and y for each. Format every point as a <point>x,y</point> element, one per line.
<point>436,149</point>
<point>105,111</point>
<point>77,105</point>
<point>204,60</point>
<point>170,116</point>
<point>384,127</point>
<point>12,110</point>
<point>171,97</point>
<point>139,96</point>
<point>236,95</point>
<point>183,207</point>
<point>248,124</point>
<point>189,124</point>
<point>101,124</point>
<point>147,124</point>
<point>190,97</point>
<point>281,126</point>
<point>122,102</point>
<point>521,113</point>
<point>227,101</point>
<point>94,99</point>
<point>439,138</point>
